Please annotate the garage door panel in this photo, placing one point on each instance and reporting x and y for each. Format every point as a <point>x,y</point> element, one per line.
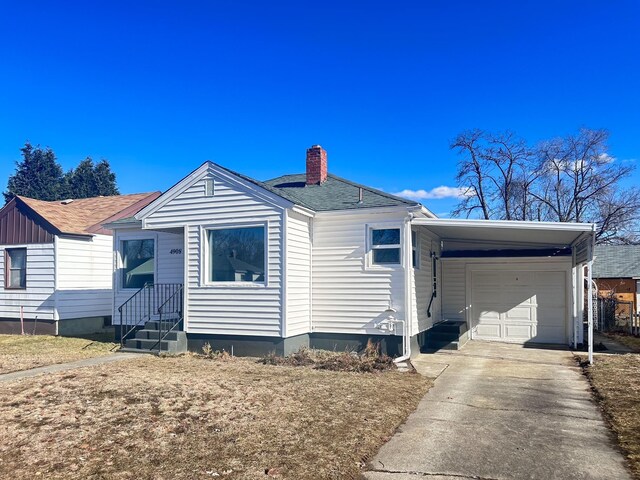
<point>551,316</point>
<point>519,306</point>
<point>520,313</point>
<point>517,332</point>
<point>490,331</point>
<point>549,334</point>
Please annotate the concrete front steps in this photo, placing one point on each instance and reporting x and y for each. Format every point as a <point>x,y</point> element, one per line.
<point>146,340</point>
<point>447,335</point>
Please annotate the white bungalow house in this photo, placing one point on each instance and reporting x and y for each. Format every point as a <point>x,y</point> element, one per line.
<point>316,260</point>
<point>56,263</point>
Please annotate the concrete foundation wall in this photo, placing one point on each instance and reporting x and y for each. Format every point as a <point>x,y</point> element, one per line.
<point>81,326</point>
<point>242,345</point>
<point>11,326</point>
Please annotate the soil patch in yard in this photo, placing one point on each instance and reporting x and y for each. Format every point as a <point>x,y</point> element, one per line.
<point>22,352</point>
<point>616,383</point>
<point>192,417</point>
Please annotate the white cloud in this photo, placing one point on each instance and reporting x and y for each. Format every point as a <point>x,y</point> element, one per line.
<point>436,193</point>
<point>606,158</point>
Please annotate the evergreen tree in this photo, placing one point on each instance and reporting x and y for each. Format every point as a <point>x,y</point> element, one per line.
<point>38,175</point>
<point>81,181</point>
<point>105,179</point>
<point>90,180</point>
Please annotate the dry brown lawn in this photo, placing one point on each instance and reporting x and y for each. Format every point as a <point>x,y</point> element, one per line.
<point>22,352</point>
<point>191,418</point>
<point>616,382</point>
<point>631,341</point>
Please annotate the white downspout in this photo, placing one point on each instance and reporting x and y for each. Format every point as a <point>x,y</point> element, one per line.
<point>406,327</point>
<point>590,293</point>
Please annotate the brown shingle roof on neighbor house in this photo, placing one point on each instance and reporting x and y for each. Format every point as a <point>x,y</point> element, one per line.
<point>86,216</point>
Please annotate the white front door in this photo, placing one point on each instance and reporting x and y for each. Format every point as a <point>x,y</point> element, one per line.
<point>519,306</point>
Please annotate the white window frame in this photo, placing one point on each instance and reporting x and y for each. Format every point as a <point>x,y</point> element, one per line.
<point>370,247</point>
<point>206,257</point>
<point>8,268</point>
<point>120,267</point>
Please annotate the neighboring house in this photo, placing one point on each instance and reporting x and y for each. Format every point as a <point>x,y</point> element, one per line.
<point>315,260</point>
<point>56,262</point>
<point>616,271</point>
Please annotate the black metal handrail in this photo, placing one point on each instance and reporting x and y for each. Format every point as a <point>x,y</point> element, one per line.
<point>172,307</point>
<point>140,307</point>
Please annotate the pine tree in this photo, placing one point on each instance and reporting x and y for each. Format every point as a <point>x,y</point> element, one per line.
<point>105,179</point>
<point>38,175</point>
<point>81,181</point>
<point>90,180</point>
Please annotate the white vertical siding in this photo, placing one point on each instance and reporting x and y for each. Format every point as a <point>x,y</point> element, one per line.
<point>38,298</point>
<point>169,260</point>
<point>347,296</point>
<point>298,271</point>
<point>227,309</point>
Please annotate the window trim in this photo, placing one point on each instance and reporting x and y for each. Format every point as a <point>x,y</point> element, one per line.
<point>7,269</point>
<point>120,269</point>
<point>205,257</point>
<point>370,247</point>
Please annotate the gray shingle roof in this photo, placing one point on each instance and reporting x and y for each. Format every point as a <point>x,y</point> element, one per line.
<point>334,194</point>
<point>616,261</point>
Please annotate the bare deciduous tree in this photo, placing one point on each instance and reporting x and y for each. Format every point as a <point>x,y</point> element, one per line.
<point>570,179</point>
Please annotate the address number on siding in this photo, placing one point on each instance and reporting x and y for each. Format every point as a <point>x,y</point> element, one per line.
<point>175,251</point>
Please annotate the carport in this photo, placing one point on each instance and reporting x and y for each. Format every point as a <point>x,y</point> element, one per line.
<point>513,281</point>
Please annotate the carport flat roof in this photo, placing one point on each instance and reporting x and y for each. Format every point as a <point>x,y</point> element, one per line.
<point>543,234</point>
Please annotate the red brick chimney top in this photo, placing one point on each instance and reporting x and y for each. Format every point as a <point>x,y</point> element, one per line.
<point>316,165</point>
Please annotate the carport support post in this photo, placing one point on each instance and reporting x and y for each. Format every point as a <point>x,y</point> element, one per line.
<point>590,310</point>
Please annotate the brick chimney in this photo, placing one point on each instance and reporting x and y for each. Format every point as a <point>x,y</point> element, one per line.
<point>316,165</point>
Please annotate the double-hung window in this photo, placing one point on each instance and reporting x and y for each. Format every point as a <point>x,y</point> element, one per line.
<point>15,262</point>
<point>385,246</point>
<point>138,263</point>
<point>237,254</point>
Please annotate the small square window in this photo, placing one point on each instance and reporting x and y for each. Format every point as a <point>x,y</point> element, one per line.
<point>15,268</point>
<point>385,246</point>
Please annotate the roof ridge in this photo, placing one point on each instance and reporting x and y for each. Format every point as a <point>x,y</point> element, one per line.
<point>374,190</point>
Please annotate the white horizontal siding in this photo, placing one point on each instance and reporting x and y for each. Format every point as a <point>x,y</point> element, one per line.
<point>423,284</point>
<point>347,297</point>
<point>84,303</point>
<point>85,263</point>
<point>38,298</point>
<point>226,309</point>
<point>169,260</point>
<point>298,301</point>
<point>453,289</point>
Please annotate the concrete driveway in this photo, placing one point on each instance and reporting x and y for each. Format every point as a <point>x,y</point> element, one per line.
<point>500,411</point>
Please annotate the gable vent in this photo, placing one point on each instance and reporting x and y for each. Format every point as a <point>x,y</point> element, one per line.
<point>208,187</point>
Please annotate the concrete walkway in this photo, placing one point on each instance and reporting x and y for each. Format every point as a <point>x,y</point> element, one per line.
<point>499,411</point>
<point>61,367</point>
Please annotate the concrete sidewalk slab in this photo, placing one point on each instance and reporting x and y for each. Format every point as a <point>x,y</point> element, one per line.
<point>502,411</point>
<point>61,367</point>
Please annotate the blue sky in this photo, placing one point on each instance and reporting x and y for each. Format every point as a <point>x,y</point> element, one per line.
<point>157,88</point>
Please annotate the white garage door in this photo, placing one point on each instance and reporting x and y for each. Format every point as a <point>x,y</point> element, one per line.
<point>519,306</point>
